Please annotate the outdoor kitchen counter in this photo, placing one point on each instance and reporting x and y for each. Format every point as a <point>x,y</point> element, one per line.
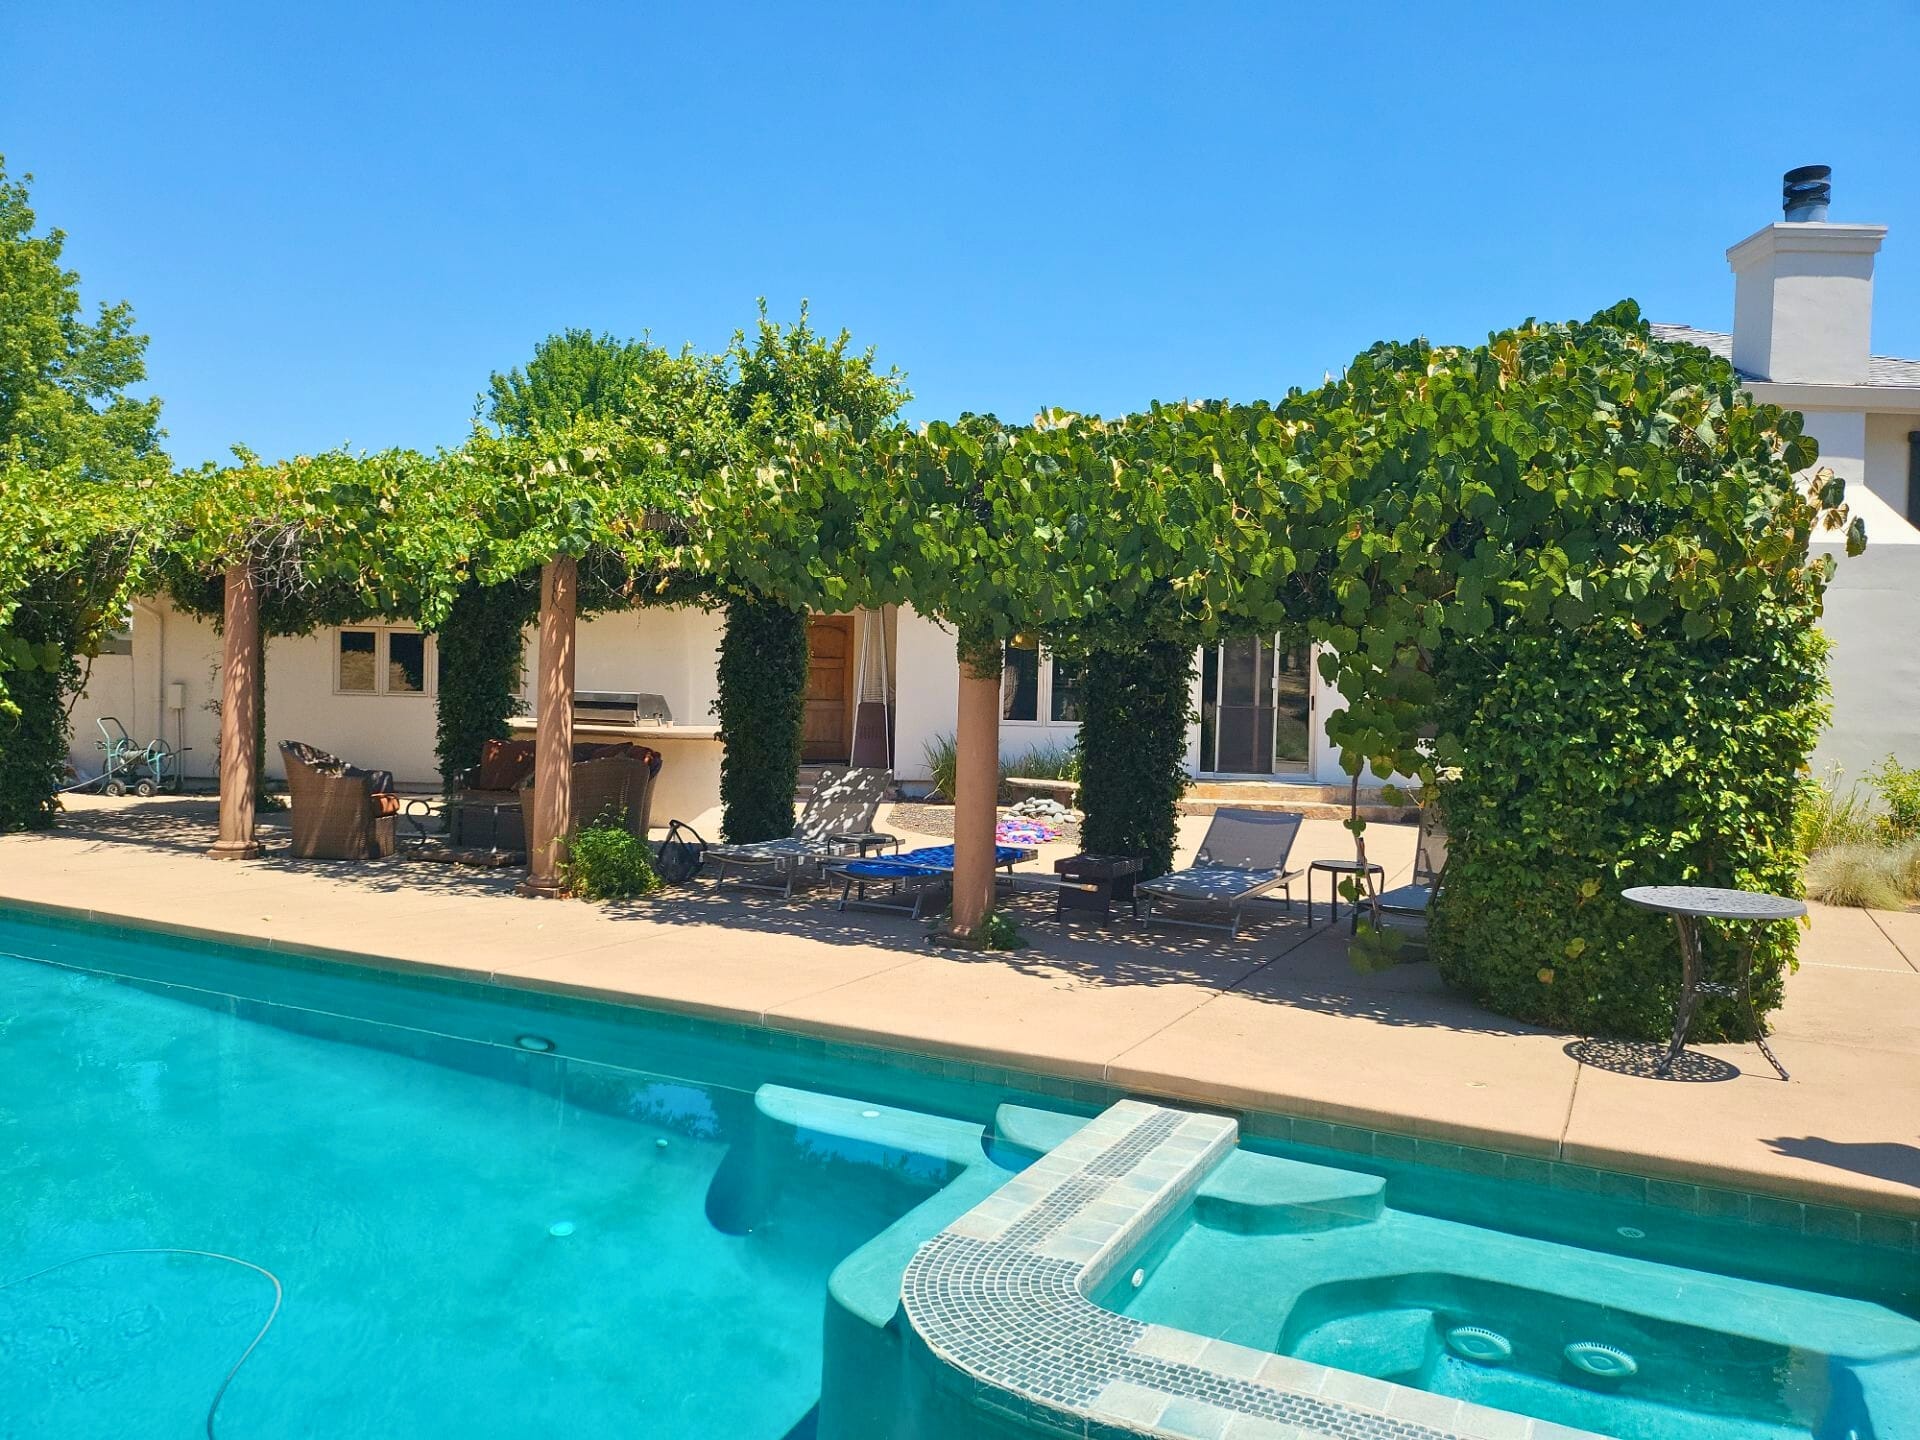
<point>689,780</point>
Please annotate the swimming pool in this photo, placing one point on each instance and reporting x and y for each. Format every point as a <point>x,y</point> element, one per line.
<point>495,1212</point>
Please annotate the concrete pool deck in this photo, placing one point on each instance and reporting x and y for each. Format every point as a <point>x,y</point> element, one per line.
<point>1277,1021</point>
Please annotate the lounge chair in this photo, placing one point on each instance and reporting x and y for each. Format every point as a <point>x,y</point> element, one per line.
<point>1242,859</point>
<point>912,878</point>
<point>1414,900</point>
<point>836,821</point>
<point>340,812</point>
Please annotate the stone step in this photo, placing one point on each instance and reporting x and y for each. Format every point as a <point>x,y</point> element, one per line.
<point>1306,791</point>
<point>1300,797</point>
<point>1311,809</point>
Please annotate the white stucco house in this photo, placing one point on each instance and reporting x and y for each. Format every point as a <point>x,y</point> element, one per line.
<point>1801,336</point>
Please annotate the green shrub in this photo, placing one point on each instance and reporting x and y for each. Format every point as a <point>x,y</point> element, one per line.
<point>1133,750</point>
<point>1899,790</point>
<point>607,861</point>
<point>943,764</point>
<point>1048,761</point>
<point>1859,855</point>
<point>1904,865</point>
<point>762,678</point>
<point>480,645</point>
<point>997,931</point>
<point>1876,877</point>
<point>1613,756</point>
<point>1373,949</point>
<point>33,741</point>
<point>1824,817</point>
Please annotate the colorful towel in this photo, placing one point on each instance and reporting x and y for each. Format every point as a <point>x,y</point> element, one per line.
<point>1025,832</point>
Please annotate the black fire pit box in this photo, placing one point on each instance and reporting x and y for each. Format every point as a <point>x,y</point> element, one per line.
<point>1091,883</point>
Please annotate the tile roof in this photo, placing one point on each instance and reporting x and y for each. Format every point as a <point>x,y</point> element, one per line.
<point>1881,369</point>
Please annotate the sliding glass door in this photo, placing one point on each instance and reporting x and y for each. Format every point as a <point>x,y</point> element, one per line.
<point>1256,707</point>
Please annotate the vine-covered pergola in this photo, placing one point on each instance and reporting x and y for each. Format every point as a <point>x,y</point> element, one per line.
<point>1448,524</point>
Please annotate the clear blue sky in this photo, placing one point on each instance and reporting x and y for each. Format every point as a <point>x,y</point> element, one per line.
<point>335,219</point>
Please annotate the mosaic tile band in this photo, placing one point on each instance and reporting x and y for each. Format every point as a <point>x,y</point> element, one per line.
<point>1001,1296</point>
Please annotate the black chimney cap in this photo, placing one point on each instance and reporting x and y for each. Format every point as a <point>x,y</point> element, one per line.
<point>1805,192</point>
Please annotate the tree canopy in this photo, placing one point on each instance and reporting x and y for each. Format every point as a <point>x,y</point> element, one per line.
<point>576,375</point>
<point>1556,476</point>
<point>80,456</point>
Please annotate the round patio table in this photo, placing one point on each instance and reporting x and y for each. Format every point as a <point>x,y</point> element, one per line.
<point>1690,904</point>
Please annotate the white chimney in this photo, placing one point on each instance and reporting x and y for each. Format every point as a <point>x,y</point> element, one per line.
<point>1803,291</point>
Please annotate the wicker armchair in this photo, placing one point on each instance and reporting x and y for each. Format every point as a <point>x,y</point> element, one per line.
<point>615,785</point>
<point>340,812</point>
<point>483,810</point>
<point>607,779</point>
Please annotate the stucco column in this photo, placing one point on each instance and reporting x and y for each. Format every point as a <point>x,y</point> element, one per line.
<point>977,783</point>
<point>547,827</point>
<point>239,717</point>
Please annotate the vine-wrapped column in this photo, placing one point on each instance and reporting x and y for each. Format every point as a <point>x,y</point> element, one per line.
<point>976,784</point>
<point>549,823</point>
<point>1135,706</point>
<point>240,675</point>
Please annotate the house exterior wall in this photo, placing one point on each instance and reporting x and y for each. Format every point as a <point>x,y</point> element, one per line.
<point>388,732</point>
<point>1872,603</point>
<point>926,689</point>
<point>1888,462</point>
<point>170,647</point>
<point>109,692</point>
<point>1871,606</point>
<point>673,651</point>
<point>1874,667</point>
<point>1803,317</point>
<point>1842,437</point>
<point>928,693</point>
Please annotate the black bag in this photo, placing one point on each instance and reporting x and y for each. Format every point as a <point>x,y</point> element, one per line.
<point>682,853</point>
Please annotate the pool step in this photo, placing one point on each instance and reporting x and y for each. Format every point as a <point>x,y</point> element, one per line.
<point>1247,1192</point>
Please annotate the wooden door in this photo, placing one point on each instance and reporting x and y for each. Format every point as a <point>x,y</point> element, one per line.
<point>828,732</point>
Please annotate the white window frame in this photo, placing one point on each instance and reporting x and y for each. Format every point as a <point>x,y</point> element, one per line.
<point>382,651</point>
<point>1043,699</point>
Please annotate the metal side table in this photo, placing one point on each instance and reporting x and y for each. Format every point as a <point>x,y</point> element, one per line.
<point>1337,868</point>
<point>1690,904</point>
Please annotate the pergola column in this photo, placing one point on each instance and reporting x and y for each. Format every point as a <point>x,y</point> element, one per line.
<point>549,824</point>
<point>977,793</point>
<point>241,659</point>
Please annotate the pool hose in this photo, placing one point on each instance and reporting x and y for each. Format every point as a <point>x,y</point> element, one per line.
<point>279,1293</point>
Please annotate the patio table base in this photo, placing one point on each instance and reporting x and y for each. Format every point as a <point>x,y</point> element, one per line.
<point>1688,905</point>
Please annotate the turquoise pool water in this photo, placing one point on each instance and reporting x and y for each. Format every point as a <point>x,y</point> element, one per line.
<point>1624,1346</point>
<point>410,1210</point>
<point>652,1228</point>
